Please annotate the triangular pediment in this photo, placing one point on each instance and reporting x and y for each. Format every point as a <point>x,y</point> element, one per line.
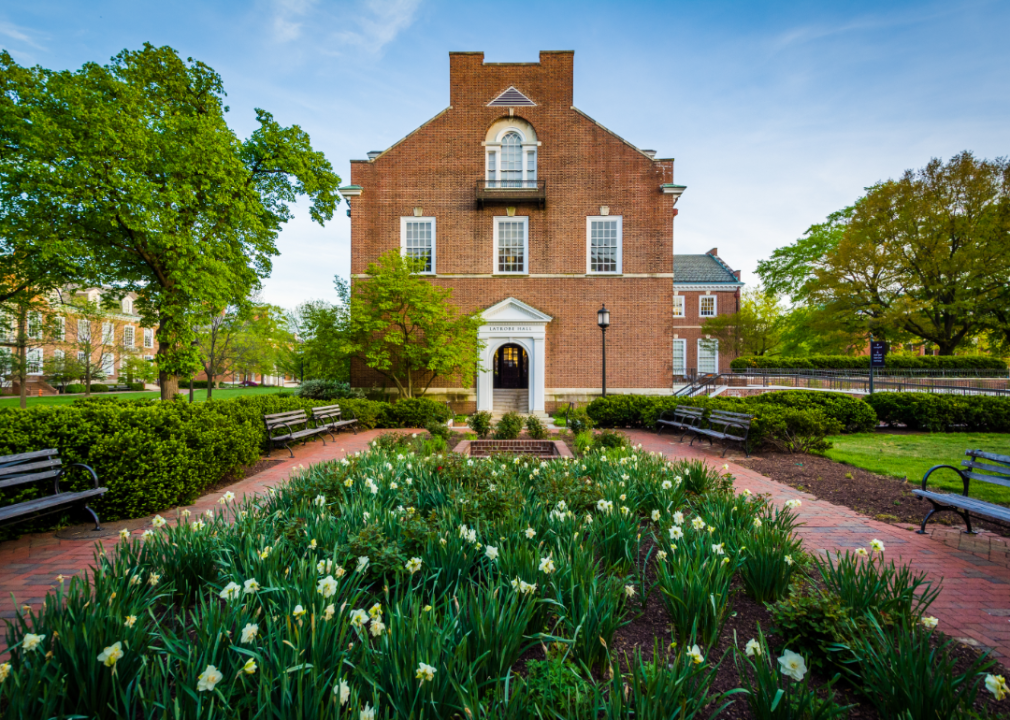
<point>511,98</point>
<point>511,310</point>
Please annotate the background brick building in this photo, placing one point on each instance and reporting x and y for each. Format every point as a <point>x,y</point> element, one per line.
<point>703,287</point>
<point>536,214</point>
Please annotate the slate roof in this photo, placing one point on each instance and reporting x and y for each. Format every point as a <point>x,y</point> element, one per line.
<point>705,269</point>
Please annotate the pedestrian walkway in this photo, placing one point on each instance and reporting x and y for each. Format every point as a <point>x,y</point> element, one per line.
<point>974,603</point>
<point>973,606</point>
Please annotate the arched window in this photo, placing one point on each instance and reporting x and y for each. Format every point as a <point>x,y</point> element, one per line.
<point>512,160</point>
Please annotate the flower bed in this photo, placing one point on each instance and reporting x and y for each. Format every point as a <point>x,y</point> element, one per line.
<point>390,585</point>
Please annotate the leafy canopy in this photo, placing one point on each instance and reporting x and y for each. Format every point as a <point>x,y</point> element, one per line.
<point>407,329</point>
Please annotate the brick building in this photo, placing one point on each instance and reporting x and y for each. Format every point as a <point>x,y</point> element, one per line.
<point>703,287</point>
<point>536,214</point>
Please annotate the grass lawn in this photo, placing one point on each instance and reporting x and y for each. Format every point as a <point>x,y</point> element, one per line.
<point>912,455</point>
<point>198,396</point>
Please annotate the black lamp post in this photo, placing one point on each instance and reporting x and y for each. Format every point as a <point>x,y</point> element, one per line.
<point>603,320</point>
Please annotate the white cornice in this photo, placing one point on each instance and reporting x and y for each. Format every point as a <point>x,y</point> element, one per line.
<point>714,287</point>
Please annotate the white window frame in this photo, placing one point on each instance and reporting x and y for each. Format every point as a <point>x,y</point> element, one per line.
<point>35,326</point>
<point>678,306</point>
<point>81,355</point>
<point>148,337</point>
<point>127,306</point>
<point>715,306</point>
<point>526,244</point>
<point>7,330</point>
<point>58,355</point>
<point>34,356</point>
<point>529,152</point>
<point>683,354</point>
<point>715,344</point>
<point>83,330</point>
<point>61,327</point>
<point>132,334</point>
<point>108,333</point>
<point>434,235</point>
<point>149,358</point>
<point>589,244</point>
<point>109,364</point>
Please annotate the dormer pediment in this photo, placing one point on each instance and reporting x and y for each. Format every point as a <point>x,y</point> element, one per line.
<point>511,310</point>
<point>511,98</point>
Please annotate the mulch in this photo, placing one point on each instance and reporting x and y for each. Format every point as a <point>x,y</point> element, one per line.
<point>881,497</point>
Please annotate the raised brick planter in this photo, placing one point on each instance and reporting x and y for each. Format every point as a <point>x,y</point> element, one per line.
<point>536,448</point>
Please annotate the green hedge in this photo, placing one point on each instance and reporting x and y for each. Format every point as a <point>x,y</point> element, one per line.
<point>856,362</point>
<point>853,413</point>
<point>155,455</point>
<point>943,413</point>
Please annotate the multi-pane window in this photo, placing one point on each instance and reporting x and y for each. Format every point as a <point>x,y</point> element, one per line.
<point>510,244</point>
<point>679,358</point>
<point>58,354</point>
<point>706,306</point>
<point>604,245</point>
<point>33,360</point>
<point>128,306</point>
<point>417,240</point>
<point>511,160</point>
<point>35,326</point>
<point>60,328</point>
<point>128,336</point>
<point>678,306</point>
<point>708,356</point>
<point>149,337</point>
<point>108,333</point>
<point>81,355</point>
<point>531,168</point>
<point>83,330</point>
<point>109,364</point>
<point>7,333</point>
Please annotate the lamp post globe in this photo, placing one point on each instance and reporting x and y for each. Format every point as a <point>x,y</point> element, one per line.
<point>603,320</point>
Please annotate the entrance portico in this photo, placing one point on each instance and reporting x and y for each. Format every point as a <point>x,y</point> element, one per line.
<point>513,333</point>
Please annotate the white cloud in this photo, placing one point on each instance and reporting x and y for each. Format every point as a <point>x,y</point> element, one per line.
<point>380,23</point>
<point>287,19</point>
<point>367,26</point>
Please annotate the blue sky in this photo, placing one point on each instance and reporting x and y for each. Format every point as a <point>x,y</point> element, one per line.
<point>777,113</point>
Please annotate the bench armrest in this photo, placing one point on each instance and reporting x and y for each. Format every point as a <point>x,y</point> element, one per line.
<point>964,478</point>
<point>56,482</point>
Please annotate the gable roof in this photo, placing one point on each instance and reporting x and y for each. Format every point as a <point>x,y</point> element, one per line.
<point>707,269</point>
<point>511,97</point>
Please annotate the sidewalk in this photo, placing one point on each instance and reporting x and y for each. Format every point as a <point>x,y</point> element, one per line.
<point>974,603</point>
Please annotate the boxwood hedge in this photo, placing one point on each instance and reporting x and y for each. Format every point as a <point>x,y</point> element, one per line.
<point>155,455</point>
<point>943,413</point>
<point>857,362</point>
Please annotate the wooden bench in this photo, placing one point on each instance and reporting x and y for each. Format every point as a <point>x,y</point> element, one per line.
<point>682,417</point>
<point>287,427</point>
<point>330,418</point>
<point>726,426</point>
<point>43,465</point>
<point>981,467</point>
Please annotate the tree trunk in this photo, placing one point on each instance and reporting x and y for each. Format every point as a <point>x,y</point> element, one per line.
<point>23,356</point>
<point>210,385</point>
<point>169,385</point>
<point>87,378</point>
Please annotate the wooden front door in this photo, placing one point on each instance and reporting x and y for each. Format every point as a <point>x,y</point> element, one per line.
<point>511,368</point>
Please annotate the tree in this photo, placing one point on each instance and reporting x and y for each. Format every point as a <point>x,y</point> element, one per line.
<point>755,329</point>
<point>137,369</point>
<point>246,338</point>
<point>790,269</point>
<point>133,165</point>
<point>217,340</point>
<point>60,370</point>
<point>93,333</point>
<point>406,329</point>
<point>319,332</point>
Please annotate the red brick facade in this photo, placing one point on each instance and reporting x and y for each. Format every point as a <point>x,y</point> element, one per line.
<point>585,171</point>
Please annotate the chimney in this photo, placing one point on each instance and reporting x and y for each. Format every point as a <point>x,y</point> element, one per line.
<point>650,153</point>
<point>736,274</point>
<point>372,154</point>
<point>714,252</point>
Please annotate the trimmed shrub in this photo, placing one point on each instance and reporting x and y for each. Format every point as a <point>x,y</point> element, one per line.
<point>74,388</point>
<point>943,413</point>
<point>857,362</point>
<point>535,428</point>
<point>854,414</point>
<point>439,429</point>
<point>99,388</point>
<point>136,386</point>
<point>480,423</point>
<point>611,439</point>
<point>328,390</point>
<point>414,413</point>
<point>509,426</point>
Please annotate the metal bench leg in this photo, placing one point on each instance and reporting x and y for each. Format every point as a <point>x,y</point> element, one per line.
<point>967,521</point>
<point>93,516</point>
<point>290,451</point>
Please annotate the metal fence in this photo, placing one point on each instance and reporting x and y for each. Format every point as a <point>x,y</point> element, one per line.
<point>859,381</point>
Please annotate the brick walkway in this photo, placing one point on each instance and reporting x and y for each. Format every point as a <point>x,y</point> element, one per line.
<point>974,605</point>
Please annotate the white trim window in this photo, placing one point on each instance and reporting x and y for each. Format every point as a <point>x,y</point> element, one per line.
<point>604,236</point>
<point>511,160</point>
<point>7,333</point>
<point>127,306</point>
<point>35,326</point>
<point>707,306</point>
<point>128,336</point>
<point>708,356</point>
<point>149,358</point>
<point>149,337</point>
<point>108,333</point>
<point>33,361</point>
<point>511,245</point>
<point>678,306</point>
<point>83,330</point>
<point>81,355</point>
<point>679,358</point>
<point>417,240</point>
<point>108,364</point>
<point>61,328</point>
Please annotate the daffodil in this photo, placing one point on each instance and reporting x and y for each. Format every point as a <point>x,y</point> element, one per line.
<point>208,679</point>
<point>788,559</point>
<point>327,586</point>
<point>697,523</point>
<point>757,523</point>
<point>676,532</point>
<point>111,654</point>
<point>929,622</point>
<point>861,552</point>
<point>425,673</point>
<point>877,546</point>
<point>359,618</point>
<point>793,504</point>
<point>547,565</point>
<point>231,590</point>
<point>328,613</point>
<point>124,534</point>
<point>250,586</point>
<point>655,515</point>
<point>5,671</point>
<point>153,579</point>
<point>491,552</point>
<point>695,654</point>
<point>996,684</point>
<point>413,565</point>
<point>249,633</point>
<point>362,563</point>
<point>719,549</point>
<point>793,665</point>
<point>343,691</point>
<point>367,713</point>
<point>31,642</point>
<point>250,667</point>
<point>130,621</point>
<point>298,611</point>
<point>158,521</point>
<point>629,590</point>
<point>752,648</point>
<point>661,555</point>
<point>377,627</point>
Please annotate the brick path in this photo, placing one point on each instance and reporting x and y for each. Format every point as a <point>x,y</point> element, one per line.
<point>974,604</point>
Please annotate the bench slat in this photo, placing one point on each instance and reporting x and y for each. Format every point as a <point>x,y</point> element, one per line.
<point>974,453</point>
<point>50,501</point>
<point>988,468</point>
<point>34,477</point>
<point>979,507</point>
<point>24,468</point>
<point>11,459</point>
<point>994,479</point>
